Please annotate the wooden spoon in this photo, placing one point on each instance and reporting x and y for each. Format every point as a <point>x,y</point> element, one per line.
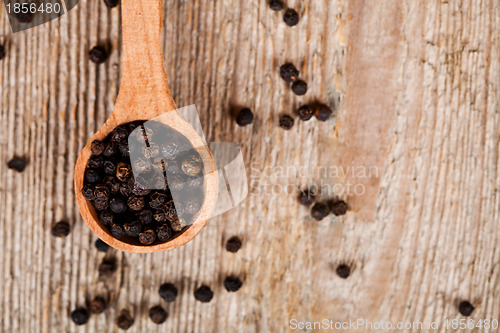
<point>144,94</point>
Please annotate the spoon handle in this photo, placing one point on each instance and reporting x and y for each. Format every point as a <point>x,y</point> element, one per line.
<point>144,81</point>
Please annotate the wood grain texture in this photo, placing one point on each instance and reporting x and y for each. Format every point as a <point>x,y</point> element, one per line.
<point>417,86</point>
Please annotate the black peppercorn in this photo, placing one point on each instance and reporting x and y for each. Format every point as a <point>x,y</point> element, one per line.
<point>110,150</point>
<point>101,246</point>
<point>192,166</point>
<point>170,150</point>
<point>343,271</point>
<point>107,267</point>
<point>157,314</point>
<point>95,162</point>
<point>100,204</point>
<point>145,216</point>
<point>126,188</point>
<point>97,147</point>
<point>92,176</point>
<point>233,244</point>
<point>80,316</point>
<point>466,308</point>
<point>286,122</point>
<point>123,171</point>
<point>109,168</point>
<point>164,233</point>
<point>17,164</point>
<point>135,203</point>
<point>112,184</point>
<point>138,190</point>
<point>291,17</point>
<point>98,55</point>
<point>289,72</point>
<point>306,197</point>
<point>203,294</point>
<point>147,237</point>
<point>88,192</point>
<point>299,87</point>
<point>232,283</point>
<point>158,200</point>
<point>124,320</point>
<point>319,211</point>
<point>339,208</point>
<point>98,305</point>
<point>117,205</point>
<point>276,5</point>
<point>111,3</point>
<point>2,52</point>
<point>192,206</point>
<point>106,217</point>
<point>160,216</point>
<point>244,117</point>
<point>177,224</point>
<point>151,151</point>
<point>60,229</point>
<point>117,231</point>
<point>305,112</point>
<point>101,192</point>
<point>132,229</point>
<point>194,182</point>
<point>322,112</point>
<point>168,292</point>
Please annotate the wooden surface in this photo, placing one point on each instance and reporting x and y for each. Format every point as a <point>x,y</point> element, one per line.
<point>417,85</point>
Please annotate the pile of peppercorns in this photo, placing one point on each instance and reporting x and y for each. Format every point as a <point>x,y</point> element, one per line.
<point>131,206</point>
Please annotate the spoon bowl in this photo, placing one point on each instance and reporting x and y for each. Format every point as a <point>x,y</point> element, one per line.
<point>144,95</point>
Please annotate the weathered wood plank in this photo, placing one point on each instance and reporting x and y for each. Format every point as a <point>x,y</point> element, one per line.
<point>417,84</point>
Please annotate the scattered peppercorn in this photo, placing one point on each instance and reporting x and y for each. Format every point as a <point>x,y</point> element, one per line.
<point>147,237</point>
<point>111,3</point>
<point>322,112</point>
<point>291,17</point>
<point>276,5</point>
<point>305,112</point>
<point>233,244</point>
<point>107,267</point>
<point>101,246</point>
<point>343,271</point>
<point>2,52</point>
<point>124,320</point>
<point>339,208</point>
<point>306,197</point>
<point>80,316</point>
<point>466,308</point>
<point>17,164</point>
<point>299,87</point>
<point>97,147</point>
<point>98,55</point>
<point>319,211</point>
<point>60,229</point>
<point>168,292</point>
<point>98,305</point>
<point>244,117</point>
<point>289,72</point>
<point>158,315</point>
<point>232,283</point>
<point>203,294</point>
<point>286,122</point>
